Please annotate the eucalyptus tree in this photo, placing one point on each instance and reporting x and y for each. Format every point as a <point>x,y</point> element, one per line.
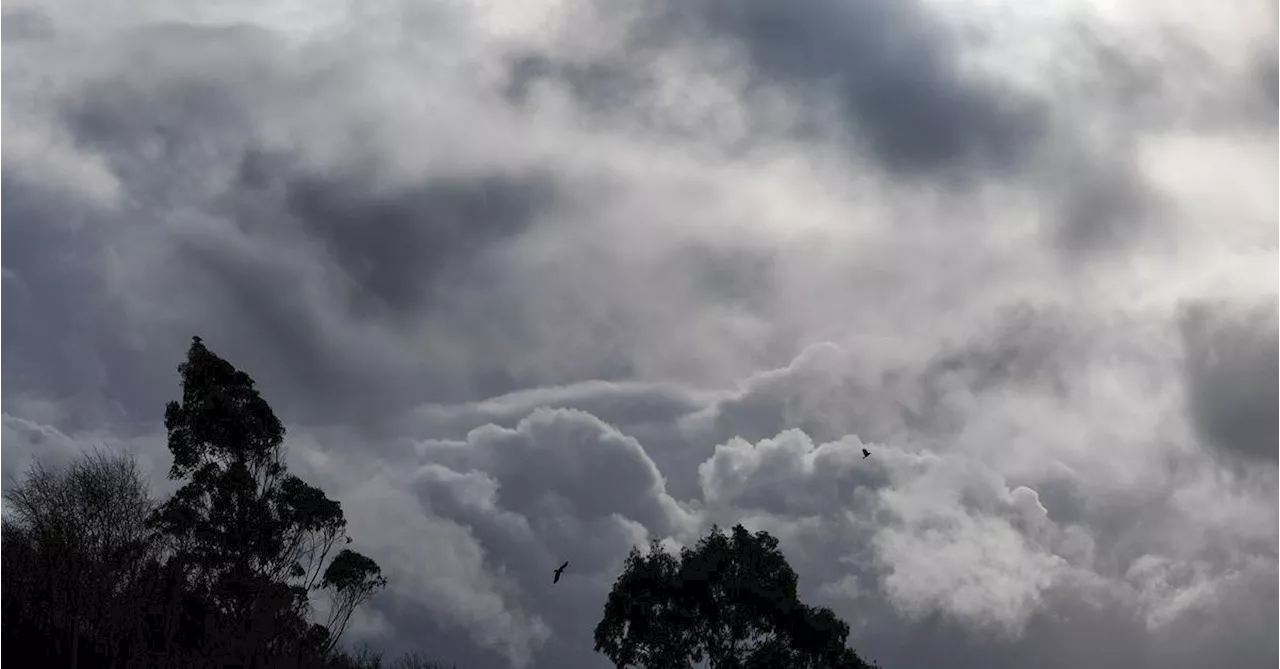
<point>249,537</point>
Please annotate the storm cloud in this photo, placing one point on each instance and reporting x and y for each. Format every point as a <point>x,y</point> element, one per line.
<point>544,282</point>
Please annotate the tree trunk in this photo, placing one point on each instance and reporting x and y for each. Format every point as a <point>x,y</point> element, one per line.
<point>75,642</point>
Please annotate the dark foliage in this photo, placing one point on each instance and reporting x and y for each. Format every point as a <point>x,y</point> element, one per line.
<point>729,602</point>
<point>95,574</point>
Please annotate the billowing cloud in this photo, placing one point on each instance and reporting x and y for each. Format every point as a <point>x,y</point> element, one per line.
<point>542,282</point>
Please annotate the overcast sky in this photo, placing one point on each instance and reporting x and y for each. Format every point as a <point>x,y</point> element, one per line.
<point>538,281</point>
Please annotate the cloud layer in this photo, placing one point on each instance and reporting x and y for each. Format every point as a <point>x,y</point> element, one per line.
<point>543,282</point>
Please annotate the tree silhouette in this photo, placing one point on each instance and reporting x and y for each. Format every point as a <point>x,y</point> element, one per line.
<point>74,543</point>
<point>96,575</point>
<point>729,601</point>
<point>250,538</point>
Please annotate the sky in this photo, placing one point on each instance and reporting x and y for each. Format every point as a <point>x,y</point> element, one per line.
<point>542,281</point>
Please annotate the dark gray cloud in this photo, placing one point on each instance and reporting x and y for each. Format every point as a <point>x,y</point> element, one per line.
<point>1233,379</point>
<point>907,105</point>
<point>1267,72</point>
<point>389,257</point>
<point>25,23</point>
<point>60,343</point>
<point>893,69</point>
<point>604,87</point>
<point>889,66</point>
<point>1024,346</point>
<point>399,248</point>
<point>183,133</point>
<point>1103,209</point>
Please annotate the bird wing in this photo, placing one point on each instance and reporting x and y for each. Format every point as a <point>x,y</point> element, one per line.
<point>566,564</point>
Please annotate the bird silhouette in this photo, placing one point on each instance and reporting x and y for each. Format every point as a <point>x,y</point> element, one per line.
<point>560,571</point>
<point>865,454</point>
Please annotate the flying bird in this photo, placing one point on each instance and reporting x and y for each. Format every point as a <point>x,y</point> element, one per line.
<point>865,454</point>
<point>560,571</point>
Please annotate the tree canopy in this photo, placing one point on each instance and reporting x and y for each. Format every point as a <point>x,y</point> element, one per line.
<point>97,574</point>
<point>730,601</point>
